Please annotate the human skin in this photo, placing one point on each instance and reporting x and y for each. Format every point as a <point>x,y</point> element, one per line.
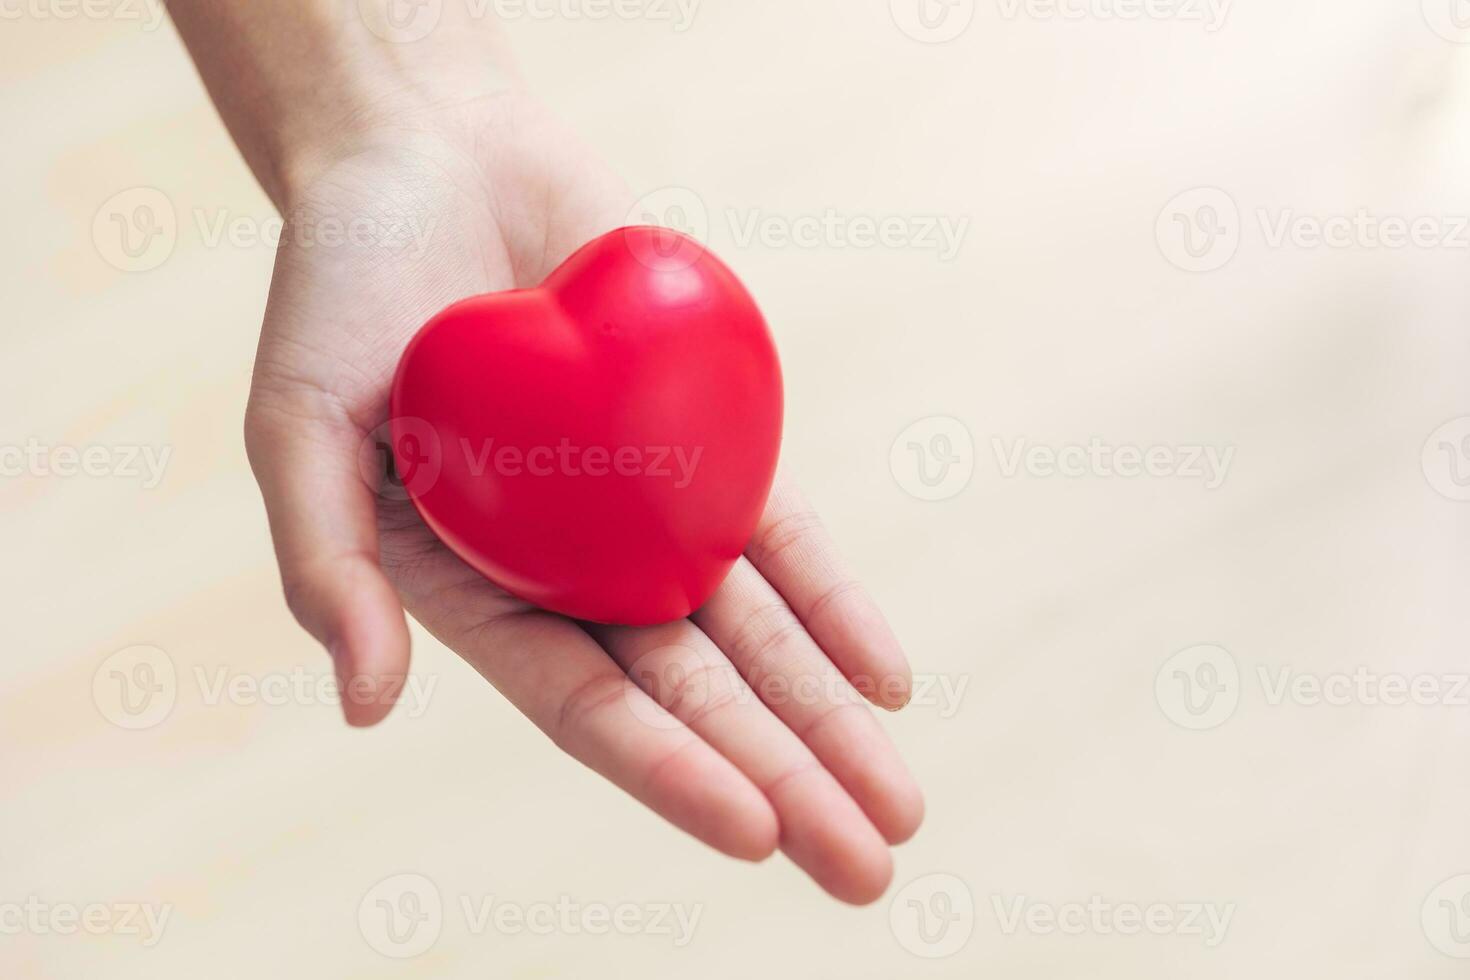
<point>739,725</point>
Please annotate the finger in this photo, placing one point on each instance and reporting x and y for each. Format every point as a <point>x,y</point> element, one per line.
<point>304,455</point>
<point>566,684</point>
<point>822,829</point>
<point>794,552</point>
<point>767,644</point>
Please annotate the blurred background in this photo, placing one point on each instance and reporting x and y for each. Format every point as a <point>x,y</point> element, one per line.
<point>1126,351</point>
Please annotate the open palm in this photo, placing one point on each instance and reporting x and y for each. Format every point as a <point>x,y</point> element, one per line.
<point>742,725</point>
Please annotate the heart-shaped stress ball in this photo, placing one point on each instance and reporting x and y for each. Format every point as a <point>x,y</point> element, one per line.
<point>601,446</point>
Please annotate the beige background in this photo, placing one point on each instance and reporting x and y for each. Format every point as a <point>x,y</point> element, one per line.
<point>1053,602</point>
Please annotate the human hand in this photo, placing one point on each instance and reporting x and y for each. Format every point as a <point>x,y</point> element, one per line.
<point>740,725</point>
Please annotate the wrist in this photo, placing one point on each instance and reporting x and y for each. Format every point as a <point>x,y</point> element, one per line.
<point>305,84</point>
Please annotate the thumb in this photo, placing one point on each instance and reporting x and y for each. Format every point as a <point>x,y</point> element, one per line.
<point>303,449</point>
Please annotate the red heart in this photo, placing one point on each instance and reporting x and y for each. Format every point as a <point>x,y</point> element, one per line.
<point>601,446</point>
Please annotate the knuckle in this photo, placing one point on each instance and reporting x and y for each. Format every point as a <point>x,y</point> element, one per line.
<point>582,703</point>
<point>782,534</point>
<point>299,595</point>
<point>823,717</point>
<point>833,596</point>
<point>760,637</point>
<point>695,694</point>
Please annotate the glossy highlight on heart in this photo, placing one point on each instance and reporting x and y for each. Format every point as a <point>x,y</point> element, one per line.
<point>602,445</point>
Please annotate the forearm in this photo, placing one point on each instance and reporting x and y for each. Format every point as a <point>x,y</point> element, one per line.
<point>300,83</point>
